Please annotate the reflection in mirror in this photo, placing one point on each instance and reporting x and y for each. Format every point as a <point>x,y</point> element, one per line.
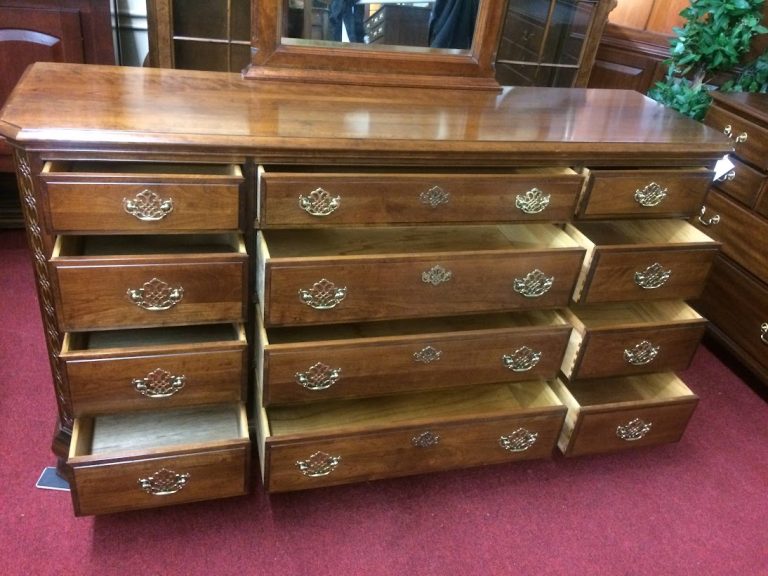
<point>426,23</point>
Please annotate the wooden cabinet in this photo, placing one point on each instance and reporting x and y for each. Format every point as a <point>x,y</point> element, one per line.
<point>550,42</point>
<point>734,212</point>
<point>45,31</point>
<point>389,277</point>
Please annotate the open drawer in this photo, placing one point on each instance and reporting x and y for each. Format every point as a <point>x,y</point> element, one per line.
<point>341,441</point>
<point>142,197</point>
<point>641,260</point>
<point>150,459</point>
<point>315,198</point>
<point>375,359</point>
<point>612,414</point>
<point>321,276</point>
<point>631,338</point>
<point>152,368</point>
<point>108,282</point>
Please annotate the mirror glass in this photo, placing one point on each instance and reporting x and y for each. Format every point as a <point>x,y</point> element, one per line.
<point>389,24</point>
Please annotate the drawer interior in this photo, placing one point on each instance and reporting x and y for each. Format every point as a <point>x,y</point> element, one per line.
<point>528,319</point>
<point>396,171</point>
<point>346,416</point>
<point>105,169</point>
<point>147,431</point>
<point>398,240</point>
<point>630,314</point>
<point>636,232</point>
<point>155,338</point>
<point>118,245</point>
<point>625,391</point>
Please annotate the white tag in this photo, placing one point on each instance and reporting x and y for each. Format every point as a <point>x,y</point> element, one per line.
<point>723,166</point>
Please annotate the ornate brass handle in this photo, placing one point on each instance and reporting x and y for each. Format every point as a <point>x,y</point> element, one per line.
<point>711,221</point>
<point>425,440</point>
<point>655,276</point>
<point>532,202</point>
<point>436,275</point>
<point>427,355</point>
<point>319,203</point>
<point>519,440</point>
<point>650,195</point>
<point>764,332</point>
<point>728,131</point>
<point>318,464</point>
<point>164,482</point>
<point>434,197</point>
<point>319,377</point>
<point>156,295</point>
<point>148,206</point>
<point>633,430</point>
<point>323,295</point>
<point>159,384</point>
<point>641,353</point>
<point>533,284</point>
<point>727,176</point>
<point>522,359</point>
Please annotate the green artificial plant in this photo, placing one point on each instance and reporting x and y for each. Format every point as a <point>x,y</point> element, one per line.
<point>716,36</point>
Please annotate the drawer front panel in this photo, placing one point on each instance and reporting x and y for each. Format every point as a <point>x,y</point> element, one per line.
<point>339,199</point>
<point>155,381</point>
<point>638,351</point>
<point>137,207</point>
<point>397,453</point>
<point>644,193</point>
<point>617,275</point>
<point>742,233</point>
<point>743,183</point>
<point>97,296</point>
<point>749,139</point>
<point>432,361</point>
<point>597,430</point>
<point>115,487</point>
<point>738,305</point>
<point>389,288</point>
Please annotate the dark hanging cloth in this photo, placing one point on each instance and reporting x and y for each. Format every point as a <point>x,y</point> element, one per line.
<point>452,24</point>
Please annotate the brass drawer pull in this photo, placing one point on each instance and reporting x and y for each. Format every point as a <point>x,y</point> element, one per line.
<point>156,295</point>
<point>319,377</point>
<point>655,276</point>
<point>533,201</point>
<point>633,430</point>
<point>164,482</point>
<point>641,354</point>
<point>533,284</point>
<point>148,206</point>
<point>436,275</point>
<point>522,359</point>
<point>159,384</point>
<point>764,332</point>
<point>319,464</point>
<point>319,203</point>
<point>651,195</point>
<point>426,440</point>
<point>323,295</point>
<point>519,440</point>
<point>728,131</point>
<point>710,221</point>
<point>727,176</point>
<point>434,197</point>
<point>427,355</point>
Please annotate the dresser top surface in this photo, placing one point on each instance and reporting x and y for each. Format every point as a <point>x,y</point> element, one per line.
<point>112,106</point>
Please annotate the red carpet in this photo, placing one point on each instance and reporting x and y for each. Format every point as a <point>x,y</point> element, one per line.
<point>698,507</point>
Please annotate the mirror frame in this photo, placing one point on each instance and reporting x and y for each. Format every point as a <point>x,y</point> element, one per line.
<point>348,64</point>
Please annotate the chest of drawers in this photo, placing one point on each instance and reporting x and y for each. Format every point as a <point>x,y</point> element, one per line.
<point>364,282</point>
<point>735,213</point>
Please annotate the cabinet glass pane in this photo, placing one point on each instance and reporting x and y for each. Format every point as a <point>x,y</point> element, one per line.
<point>568,30</point>
<point>240,20</point>
<point>200,19</point>
<point>201,56</point>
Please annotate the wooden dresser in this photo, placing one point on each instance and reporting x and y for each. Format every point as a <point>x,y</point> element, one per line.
<point>394,281</point>
<point>736,214</point>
